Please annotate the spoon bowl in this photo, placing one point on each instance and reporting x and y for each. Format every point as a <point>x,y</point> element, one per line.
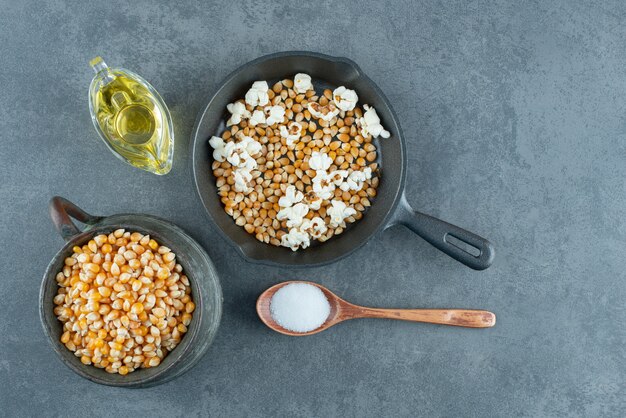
<point>341,310</point>
<point>265,299</point>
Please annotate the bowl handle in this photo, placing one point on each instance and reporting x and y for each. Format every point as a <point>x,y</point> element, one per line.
<point>61,212</point>
<point>464,246</point>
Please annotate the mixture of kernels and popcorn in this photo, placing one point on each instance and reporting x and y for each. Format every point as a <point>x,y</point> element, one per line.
<point>292,166</point>
<point>124,302</point>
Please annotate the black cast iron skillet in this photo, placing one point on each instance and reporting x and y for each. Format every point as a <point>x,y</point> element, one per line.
<point>388,208</point>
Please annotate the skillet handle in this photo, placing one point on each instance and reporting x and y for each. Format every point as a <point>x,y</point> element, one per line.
<point>61,212</point>
<point>464,246</point>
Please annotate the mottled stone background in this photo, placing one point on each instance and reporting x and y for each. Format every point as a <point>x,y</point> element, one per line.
<point>516,126</point>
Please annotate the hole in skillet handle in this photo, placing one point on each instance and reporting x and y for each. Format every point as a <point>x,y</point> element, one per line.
<point>462,245</point>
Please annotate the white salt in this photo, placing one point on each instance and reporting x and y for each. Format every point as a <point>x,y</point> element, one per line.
<point>299,307</point>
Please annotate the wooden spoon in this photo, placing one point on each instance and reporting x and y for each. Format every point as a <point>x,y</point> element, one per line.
<point>340,311</point>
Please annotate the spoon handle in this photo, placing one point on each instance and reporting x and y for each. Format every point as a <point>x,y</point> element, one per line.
<point>457,317</point>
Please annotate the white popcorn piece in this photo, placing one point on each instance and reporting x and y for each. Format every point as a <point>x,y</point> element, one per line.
<point>275,114</point>
<point>338,212</point>
<point>313,200</point>
<point>251,146</point>
<point>320,161</point>
<point>294,214</point>
<point>302,83</point>
<point>257,95</point>
<point>218,145</point>
<point>314,227</point>
<point>238,113</point>
<point>345,99</point>
<point>323,187</point>
<point>257,118</point>
<point>355,180</point>
<point>291,197</point>
<point>238,156</point>
<point>242,178</point>
<point>323,112</point>
<point>292,134</point>
<point>233,153</point>
<point>370,124</point>
<point>337,177</point>
<point>295,239</point>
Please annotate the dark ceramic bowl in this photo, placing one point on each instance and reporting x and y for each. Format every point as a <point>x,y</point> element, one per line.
<point>206,292</point>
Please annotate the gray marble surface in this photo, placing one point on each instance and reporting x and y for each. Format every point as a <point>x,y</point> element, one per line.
<point>516,127</point>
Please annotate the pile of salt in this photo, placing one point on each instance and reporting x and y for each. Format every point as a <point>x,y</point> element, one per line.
<point>299,307</point>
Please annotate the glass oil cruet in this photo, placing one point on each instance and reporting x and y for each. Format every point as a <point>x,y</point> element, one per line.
<point>131,118</point>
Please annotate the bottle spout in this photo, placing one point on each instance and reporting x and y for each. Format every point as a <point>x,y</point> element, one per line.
<point>99,66</point>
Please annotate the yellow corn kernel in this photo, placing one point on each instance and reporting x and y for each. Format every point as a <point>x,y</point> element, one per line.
<point>104,291</point>
<point>65,337</point>
<point>163,273</point>
<point>190,307</point>
<point>94,268</point>
<point>136,308</point>
<point>134,264</point>
<point>158,312</point>
<point>85,360</point>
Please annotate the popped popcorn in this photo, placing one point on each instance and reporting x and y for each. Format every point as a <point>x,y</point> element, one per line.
<point>291,197</point>
<point>257,118</point>
<point>252,147</point>
<point>320,161</point>
<point>370,124</point>
<point>292,134</point>
<point>345,99</point>
<point>337,176</point>
<point>242,179</point>
<point>275,114</point>
<point>294,214</point>
<point>355,180</point>
<point>322,185</point>
<point>315,227</point>
<point>338,212</point>
<point>257,95</point>
<point>218,145</point>
<point>238,113</point>
<point>295,239</point>
<point>313,200</point>
<point>323,112</point>
<point>302,83</point>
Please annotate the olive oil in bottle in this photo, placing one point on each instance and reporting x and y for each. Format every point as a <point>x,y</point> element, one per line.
<point>131,118</point>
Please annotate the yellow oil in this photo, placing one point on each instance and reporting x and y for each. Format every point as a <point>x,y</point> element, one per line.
<point>133,121</point>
